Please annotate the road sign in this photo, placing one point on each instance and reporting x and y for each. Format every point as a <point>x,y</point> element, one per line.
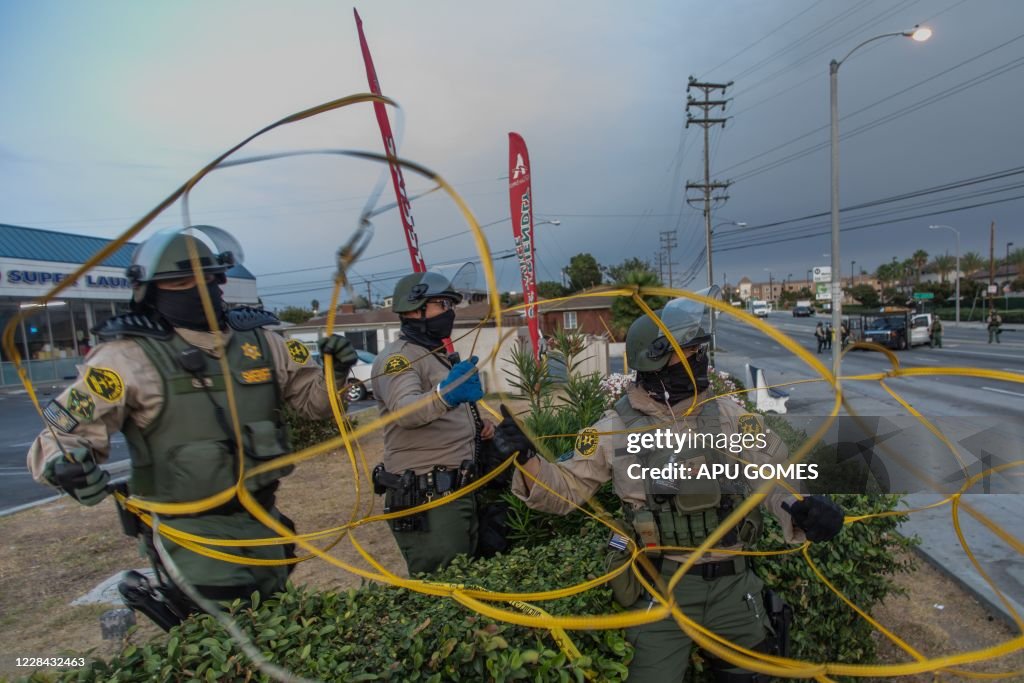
<point>821,291</point>
<point>924,295</point>
<point>822,273</point>
<point>992,289</point>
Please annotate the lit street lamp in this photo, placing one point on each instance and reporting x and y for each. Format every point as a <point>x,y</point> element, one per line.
<point>950,227</point>
<point>919,34</point>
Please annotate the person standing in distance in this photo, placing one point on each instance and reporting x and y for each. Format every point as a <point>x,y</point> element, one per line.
<point>432,450</point>
<point>721,591</point>
<point>156,378</point>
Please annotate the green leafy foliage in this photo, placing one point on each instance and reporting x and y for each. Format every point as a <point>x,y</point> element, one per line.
<point>305,432</point>
<point>388,634</point>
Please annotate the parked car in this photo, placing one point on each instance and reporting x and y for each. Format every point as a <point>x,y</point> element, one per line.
<point>359,385</point>
<point>802,311</point>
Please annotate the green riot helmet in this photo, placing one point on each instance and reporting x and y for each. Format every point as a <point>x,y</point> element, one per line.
<point>689,321</point>
<point>413,291</point>
<point>165,256</point>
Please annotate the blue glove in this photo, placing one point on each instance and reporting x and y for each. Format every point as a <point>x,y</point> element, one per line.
<point>80,476</point>
<point>462,385</point>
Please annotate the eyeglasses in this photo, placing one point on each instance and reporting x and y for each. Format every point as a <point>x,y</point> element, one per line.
<point>445,304</point>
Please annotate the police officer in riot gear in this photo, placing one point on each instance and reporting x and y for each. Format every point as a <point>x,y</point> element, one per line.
<point>431,450</point>
<point>721,591</point>
<point>156,377</point>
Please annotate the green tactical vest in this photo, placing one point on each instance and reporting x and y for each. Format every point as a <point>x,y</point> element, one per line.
<point>185,454</point>
<point>686,511</point>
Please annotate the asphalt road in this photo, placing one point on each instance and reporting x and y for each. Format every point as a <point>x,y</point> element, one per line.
<point>19,426</point>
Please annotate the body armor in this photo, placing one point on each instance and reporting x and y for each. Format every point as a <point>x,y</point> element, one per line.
<point>189,452</point>
<point>683,512</point>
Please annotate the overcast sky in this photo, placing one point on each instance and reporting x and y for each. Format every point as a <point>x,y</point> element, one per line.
<point>110,106</point>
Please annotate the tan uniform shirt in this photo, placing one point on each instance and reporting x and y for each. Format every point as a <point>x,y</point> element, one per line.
<point>403,374</point>
<point>578,478</point>
<point>130,388</point>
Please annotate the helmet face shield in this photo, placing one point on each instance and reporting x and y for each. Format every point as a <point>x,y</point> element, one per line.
<point>413,291</point>
<point>687,320</point>
<point>166,255</point>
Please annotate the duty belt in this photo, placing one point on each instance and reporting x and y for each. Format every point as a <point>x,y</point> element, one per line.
<point>708,570</point>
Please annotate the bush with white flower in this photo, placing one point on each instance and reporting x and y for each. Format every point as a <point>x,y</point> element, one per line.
<point>616,385</point>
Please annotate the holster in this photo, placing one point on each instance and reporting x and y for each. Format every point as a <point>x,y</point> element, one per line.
<point>780,616</point>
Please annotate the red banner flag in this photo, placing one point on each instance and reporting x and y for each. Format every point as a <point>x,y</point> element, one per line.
<point>404,207</point>
<point>521,200</point>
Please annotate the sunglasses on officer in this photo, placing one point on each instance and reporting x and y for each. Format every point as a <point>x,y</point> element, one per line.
<point>445,304</point>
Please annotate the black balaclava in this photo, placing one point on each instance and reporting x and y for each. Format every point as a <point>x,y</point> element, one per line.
<point>429,332</point>
<point>672,384</point>
<point>184,307</point>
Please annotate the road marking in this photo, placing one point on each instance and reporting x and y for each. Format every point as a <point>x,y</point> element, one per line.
<point>1004,391</point>
<point>15,474</point>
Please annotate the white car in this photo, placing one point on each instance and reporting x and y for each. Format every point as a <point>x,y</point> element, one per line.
<point>359,379</point>
<point>359,386</point>
<point>761,311</point>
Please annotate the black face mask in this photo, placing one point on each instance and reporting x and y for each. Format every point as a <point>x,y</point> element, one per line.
<point>184,308</point>
<point>673,380</point>
<point>429,332</point>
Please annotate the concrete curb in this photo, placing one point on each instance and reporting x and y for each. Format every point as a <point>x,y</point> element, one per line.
<point>993,607</point>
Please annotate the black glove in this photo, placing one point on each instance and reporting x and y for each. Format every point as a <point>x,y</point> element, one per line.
<point>819,517</point>
<point>509,438</point>
<point>343,353</point>
<point>80,476</point>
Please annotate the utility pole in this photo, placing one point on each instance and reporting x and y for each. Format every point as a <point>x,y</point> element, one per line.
<point>991,266</point>
<point>659,257</point>
<point>668,243</point>
<point>708,187</point>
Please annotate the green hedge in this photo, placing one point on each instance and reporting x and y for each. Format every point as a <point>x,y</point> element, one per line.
<point>383,633</point>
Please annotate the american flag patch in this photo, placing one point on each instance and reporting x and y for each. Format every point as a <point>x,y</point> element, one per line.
<point>618,541</point>
<point>58,416</point>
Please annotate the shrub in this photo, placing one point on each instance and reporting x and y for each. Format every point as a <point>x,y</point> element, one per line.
<point>390,634</point>
<point>305,432</point>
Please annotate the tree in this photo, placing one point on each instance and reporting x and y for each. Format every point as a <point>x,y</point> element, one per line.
<point>919,261</point>
<point>944,264</point>
<point>1016,258</point>
<point>315,305</point>
<point>865,294</point>
<point>549,289</point>
<point>972,262</point>
<point>618,273</point>
<point>624,309</point>
<point>295,314</point>
<point>583,271</point>
<point>360,303</point>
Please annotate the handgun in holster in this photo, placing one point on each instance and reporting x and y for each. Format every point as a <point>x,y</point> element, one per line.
<point>780,616</point>
<point>130,522</point>
<point>155,602</point>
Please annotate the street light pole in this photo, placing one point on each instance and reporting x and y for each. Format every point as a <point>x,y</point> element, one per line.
<point>918,34</point>
<point>711,279</point>
<point>950,227</point>
<point>1007,266</point>
<point>852,264</point>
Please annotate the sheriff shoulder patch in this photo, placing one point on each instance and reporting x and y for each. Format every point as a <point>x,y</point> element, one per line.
<point>395,364</point>
<point>105,383</point>
<point>58,416</point>
<point>81,405</point>
<point>251,351</point>
<point>586,442</point>
<point>255,376</point>
<point>298,351</point>
<point>749,424</point>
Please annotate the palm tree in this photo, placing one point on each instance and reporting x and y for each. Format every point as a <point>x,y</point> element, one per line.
<point>971,262</point>
<point>908,268</point>
<point>944,264</point>
<point>919,260</point>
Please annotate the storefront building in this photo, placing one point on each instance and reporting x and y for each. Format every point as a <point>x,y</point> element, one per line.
<point>52,339</point>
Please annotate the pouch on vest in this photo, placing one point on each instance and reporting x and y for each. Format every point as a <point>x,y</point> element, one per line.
<point>263,442</point>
